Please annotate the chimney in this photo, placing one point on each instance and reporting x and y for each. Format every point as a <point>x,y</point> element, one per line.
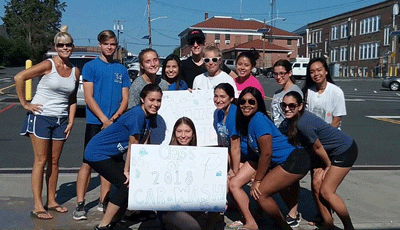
<point>205,15</point>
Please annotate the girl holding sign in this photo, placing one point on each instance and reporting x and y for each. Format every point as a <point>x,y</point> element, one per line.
<point>184,133</point>
<point>224,124</point>
<point>104,152</point>
<point>276,162</point>
<point>337,151</point>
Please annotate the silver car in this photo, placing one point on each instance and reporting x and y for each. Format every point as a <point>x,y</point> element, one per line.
<point>79,60</point>
<point>393,83</point>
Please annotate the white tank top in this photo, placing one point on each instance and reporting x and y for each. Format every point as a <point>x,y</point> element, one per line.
<point>53,92</point>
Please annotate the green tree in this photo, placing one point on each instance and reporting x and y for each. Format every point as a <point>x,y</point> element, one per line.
<point>177,51</point>
<point>33,22</point>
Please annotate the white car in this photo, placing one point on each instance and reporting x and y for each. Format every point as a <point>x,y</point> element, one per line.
<point>78,60</point>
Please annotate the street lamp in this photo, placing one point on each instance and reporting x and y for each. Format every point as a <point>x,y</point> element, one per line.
<point>264,32</point>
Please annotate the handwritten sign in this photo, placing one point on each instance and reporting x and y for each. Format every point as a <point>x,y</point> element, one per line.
<point>198,106</point>
<point>177,178</point>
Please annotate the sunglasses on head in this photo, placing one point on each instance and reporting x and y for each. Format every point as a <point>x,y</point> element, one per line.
<point>215,59</point>
<point>198,41</point>
<point>291,106</point>
<point>61,45</point>
<point>250,101</point>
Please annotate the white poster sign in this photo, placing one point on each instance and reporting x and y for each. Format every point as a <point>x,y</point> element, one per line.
<point>198,106</point>
<point>177,178</point>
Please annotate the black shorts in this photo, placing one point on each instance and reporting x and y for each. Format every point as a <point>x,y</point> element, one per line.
<point>298,162</point>
<point>347,158</point>
<point>90,132</point>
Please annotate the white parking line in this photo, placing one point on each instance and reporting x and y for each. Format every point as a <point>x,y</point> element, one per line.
<point>389,119</point>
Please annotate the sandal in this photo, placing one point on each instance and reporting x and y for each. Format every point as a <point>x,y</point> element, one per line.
<point>38,213</point>
<point>57,208</point>
<point>235,224</point>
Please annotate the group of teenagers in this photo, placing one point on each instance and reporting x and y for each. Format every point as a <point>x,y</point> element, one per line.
<point>273,152</point>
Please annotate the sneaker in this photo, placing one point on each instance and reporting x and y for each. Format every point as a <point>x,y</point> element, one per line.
<point>80,213</point>
<point>101,207</point>
<point>107,227</point>
<point>293,222</point>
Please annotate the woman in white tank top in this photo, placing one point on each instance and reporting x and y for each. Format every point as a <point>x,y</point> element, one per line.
<point>50,118</point>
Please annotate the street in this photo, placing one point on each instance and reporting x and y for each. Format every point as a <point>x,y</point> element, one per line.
<point>372,119</point>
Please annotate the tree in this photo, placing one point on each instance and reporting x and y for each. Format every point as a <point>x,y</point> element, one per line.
<point>33,22</point>
<point>177,51</point>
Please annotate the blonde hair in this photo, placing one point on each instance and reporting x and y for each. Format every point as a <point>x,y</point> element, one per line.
<point>213,47</point>
<point>63,34</point>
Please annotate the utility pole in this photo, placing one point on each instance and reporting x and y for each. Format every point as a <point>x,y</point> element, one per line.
<point>118,27</point>
<point>149,21</point>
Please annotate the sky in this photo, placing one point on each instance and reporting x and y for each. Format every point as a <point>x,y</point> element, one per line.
<point>85,19</point>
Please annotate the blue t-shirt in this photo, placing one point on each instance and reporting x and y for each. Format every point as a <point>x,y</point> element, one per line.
<point>182,86</point>
<point>260,125</point>
<point>311,128</point>
<point>108,80</point>
<point>114,139</point>
<point>227,130</point>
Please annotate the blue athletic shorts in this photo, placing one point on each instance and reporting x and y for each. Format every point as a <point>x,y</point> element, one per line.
<point>45,127</point>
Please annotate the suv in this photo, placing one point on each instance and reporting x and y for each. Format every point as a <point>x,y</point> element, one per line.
<point>79,60</point>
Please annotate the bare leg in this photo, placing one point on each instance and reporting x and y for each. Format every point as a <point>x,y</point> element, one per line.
<point>322,205</point>
<point>105,187</point>
<point>41,150</point>
<point>276,180</point>
<point>52,174</point>
<point>331,182</point>
<point>82,182</point>
<point>235,186</point>
<point>111,211</point>
<point>291,196</point>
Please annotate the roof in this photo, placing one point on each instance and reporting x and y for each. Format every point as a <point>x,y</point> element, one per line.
<point>231,24</point>
<point>258,45</point>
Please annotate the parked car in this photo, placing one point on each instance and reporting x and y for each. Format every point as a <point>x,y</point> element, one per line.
<point>78,60</point>
<point>268,72</point>
<point>230,63</point>
<point>134,68</point>
<point>393,83</point>
<point>299,67</point>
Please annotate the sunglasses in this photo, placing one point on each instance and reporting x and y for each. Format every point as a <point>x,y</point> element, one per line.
<point>61,45</point>
<point>215,59</point>
<point>198,41</point>
<point>292,106</point>
<point>250,101</point>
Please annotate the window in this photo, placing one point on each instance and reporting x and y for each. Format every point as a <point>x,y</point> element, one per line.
<point>370,25</point>
<point>386,36</point>
<point>250,38</point>
<point>369,51</point>
<point>334,33</point>
<point>355,28</point>
<point>343,53</point>
<point>289,42</point>
<point>334,54</point>
<point>326,46</point>
<point>217,38</point>
<point>343,30</point>
<point>227,39</point>
<point>350,53</point>
<point>320,36</point>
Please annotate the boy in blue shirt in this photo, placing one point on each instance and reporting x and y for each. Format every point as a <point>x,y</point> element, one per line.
<point>106,87</point>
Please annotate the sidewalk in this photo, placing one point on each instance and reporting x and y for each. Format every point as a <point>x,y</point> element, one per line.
<point>372,197</point>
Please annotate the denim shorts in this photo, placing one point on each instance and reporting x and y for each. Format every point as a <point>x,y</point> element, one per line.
<point>45,127</point>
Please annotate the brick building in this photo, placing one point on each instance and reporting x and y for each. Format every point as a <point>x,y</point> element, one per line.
<point>356,43</point>
<point>233,36</point>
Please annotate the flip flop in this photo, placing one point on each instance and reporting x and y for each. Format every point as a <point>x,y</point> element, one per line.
<point>36,215</point>
<point>244,228</point>
<point>57,208</point>
<point>235,224</point>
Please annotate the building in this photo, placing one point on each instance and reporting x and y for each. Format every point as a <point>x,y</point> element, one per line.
<point>233,36</point>
<point>356,43</point>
